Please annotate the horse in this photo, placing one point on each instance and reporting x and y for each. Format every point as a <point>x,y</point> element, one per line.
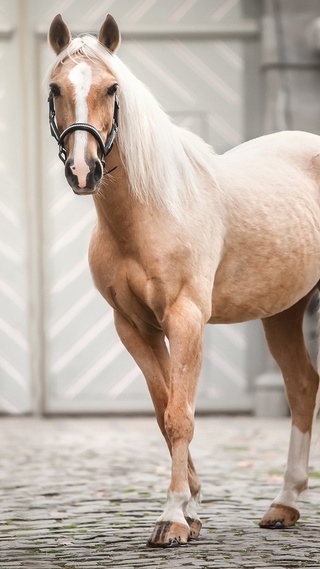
<point>185,237</point>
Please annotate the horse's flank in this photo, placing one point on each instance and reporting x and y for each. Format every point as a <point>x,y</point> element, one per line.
<point>272,234</point>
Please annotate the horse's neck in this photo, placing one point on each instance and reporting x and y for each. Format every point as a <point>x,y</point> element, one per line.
<point>117,208</point>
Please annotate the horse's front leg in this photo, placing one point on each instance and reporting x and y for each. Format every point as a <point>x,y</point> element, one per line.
<point>183,325</point>
<point>150,353</point>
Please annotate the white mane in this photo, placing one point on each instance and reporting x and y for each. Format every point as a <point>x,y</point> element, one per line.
<point>165,163</point>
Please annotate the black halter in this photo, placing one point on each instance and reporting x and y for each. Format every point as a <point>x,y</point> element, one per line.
<point>105,148</point>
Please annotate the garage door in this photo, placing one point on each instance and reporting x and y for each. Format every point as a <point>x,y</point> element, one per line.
<point>192,54</point>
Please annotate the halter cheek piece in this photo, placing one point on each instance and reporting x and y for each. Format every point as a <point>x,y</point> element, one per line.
<point>105,148</point>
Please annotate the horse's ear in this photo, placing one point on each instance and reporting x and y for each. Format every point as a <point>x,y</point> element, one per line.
<point>109,34</point>
<point>59,35</point>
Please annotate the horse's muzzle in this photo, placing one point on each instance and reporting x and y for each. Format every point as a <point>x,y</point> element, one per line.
<point>85,185</point>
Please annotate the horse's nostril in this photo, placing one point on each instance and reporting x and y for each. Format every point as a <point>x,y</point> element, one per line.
<point>97,172</point>
<point>71,177</point>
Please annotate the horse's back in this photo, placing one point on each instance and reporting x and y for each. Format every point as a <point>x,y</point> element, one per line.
<point>286,142</point>
<point>286,159</point>
<point>271,171</point>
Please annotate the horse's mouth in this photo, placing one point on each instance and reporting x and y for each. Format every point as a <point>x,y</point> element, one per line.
<point>87,190</point>
<point>84,191</point>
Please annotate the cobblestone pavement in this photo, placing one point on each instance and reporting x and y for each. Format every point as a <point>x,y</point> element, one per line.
<point>83,493</point>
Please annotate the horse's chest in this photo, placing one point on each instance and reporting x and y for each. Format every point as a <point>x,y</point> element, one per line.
<point>126,287</point>
<point>132,305</point>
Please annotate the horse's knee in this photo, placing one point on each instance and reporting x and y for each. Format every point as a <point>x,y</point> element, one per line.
<point>179,423</point>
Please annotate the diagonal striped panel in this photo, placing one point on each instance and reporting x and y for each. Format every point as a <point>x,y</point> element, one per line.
<point>201,85</point>
<point>85,359</point>
<point>187,77</point>
<point>14,349</point>
<point>139,11</point>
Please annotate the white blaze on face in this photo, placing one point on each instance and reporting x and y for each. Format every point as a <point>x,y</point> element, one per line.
<point>81,77</point>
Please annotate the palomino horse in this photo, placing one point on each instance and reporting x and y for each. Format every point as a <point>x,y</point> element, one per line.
<point>185,237</point>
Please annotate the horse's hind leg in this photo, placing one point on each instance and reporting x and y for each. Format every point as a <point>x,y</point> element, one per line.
<point>285,339</point>
<point>150,353</point>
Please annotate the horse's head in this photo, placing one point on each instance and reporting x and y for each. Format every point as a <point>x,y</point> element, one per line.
<point>83,106</point>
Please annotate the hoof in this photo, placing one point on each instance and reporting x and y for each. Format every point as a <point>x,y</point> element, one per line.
<point>169,534</point>
<point>195,527</point>
<point>279,517</point>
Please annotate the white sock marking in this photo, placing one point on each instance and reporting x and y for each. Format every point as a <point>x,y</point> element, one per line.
<point>296,476</point>
<point>81,77</point>
<point>176,504</point>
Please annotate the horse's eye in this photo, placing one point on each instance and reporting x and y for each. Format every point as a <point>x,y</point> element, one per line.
<point>111,90</point>
<point>55,90</point>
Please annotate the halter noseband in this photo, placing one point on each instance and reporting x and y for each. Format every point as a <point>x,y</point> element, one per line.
<point>105,148</point>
